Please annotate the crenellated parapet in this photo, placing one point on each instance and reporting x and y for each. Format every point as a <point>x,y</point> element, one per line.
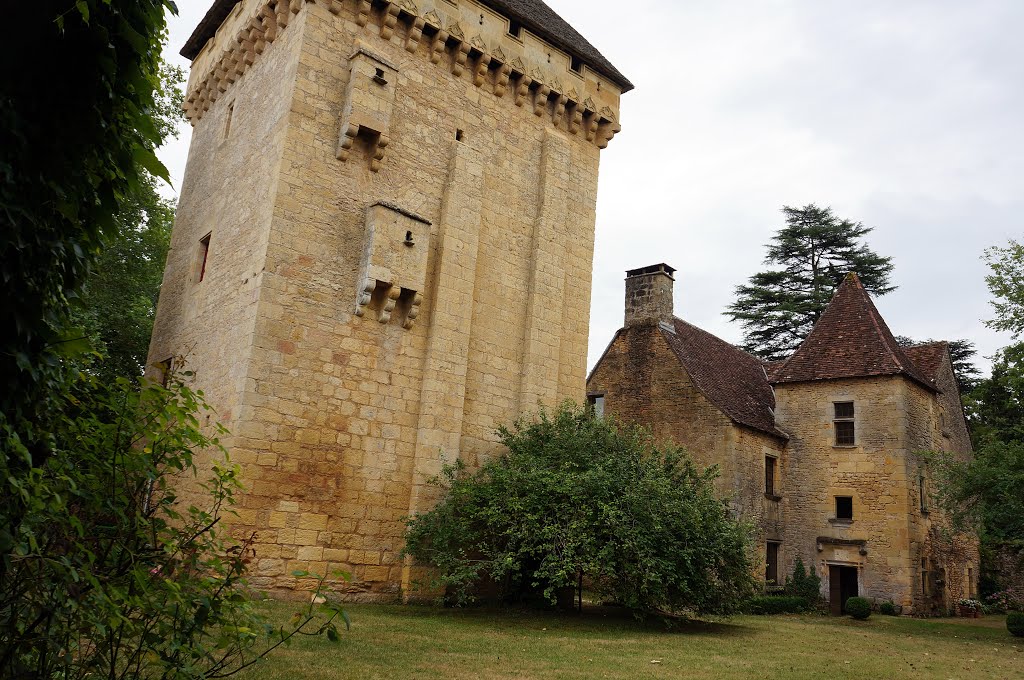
<point>535,74</point>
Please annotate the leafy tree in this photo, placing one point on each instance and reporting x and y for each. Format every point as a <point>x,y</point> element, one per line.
<point>1006,283</point>
<point>812,253</point>
<point>995,407</point>
<point>117,303</point>
<point>76,135</point>
<point>962,353</point>
<point>134,583</point>
<point>577,499</point>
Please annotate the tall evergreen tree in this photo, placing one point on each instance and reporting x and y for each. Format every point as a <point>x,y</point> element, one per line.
<point>811,255</point>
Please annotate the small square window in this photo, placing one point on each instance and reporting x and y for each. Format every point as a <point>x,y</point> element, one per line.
<point>596,403</point>
<point>515,29</point>
<point>844,507</point>
<point>576,64</point>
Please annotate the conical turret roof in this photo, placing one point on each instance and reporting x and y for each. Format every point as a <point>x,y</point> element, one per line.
<point>850,340</point>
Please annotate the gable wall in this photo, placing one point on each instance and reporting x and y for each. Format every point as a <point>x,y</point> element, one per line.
<point>643,382</point>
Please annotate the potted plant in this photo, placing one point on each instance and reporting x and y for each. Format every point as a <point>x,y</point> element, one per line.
<point>967,608</point>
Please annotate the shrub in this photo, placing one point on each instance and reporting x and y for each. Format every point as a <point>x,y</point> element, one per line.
<point>858,607</point>
<point>804,583</point>
<point>1015,623</point>
<point>770,605</point>
<point>888,608</point>
<point>576,499</point>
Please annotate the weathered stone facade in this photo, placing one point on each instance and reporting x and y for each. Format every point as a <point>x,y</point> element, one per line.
<point>693,389</point>
<point>400,203</point>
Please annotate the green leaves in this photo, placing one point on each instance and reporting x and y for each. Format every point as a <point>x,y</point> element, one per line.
<point>813,252</point>
<point>1006,283</point>
<point>576,497</point>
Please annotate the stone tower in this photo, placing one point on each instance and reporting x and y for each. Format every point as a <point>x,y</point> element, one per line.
<point>382,251</point>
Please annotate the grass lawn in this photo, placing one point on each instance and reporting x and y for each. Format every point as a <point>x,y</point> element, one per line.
<point>397,642</point>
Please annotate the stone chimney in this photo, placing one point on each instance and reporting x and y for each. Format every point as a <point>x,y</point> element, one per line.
<point>649,295</point>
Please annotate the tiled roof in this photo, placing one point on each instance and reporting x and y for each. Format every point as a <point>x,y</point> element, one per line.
<point>533,14</point>
<point>928,357</point>
<point>731,379</point>
<point>850,340</point>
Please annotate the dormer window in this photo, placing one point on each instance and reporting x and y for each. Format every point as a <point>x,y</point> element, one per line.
<point>843,423</point>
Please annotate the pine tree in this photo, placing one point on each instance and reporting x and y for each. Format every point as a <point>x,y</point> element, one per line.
<point>812,253</point>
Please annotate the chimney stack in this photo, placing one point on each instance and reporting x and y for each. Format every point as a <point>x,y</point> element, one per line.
<point>649,295</point>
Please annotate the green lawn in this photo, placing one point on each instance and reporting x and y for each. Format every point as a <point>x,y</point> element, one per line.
<point>421,642</point>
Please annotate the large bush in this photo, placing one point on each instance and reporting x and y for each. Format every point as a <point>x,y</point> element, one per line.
<point>577,499</point>
<point>858,607</point>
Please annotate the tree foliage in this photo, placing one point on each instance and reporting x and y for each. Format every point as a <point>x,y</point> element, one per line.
<point>111,574</point>
<point>811,254</point>
<point>1006,283</point>
<point>577,498</point>
<point>117,303</point>
<point>76,134</point>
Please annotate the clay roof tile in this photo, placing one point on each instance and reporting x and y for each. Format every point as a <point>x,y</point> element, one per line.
<point>850,340</point>
<point>734,381</point>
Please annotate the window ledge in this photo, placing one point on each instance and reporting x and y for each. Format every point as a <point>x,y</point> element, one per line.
<point>773,497</point>
<point>840,522</point>
<point>844,446</point>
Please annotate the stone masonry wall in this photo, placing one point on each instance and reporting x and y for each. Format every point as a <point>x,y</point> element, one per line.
<point>340,419</point>
<point>889,535</point>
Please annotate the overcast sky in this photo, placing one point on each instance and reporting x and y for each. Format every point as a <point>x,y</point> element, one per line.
<point>906,116</point>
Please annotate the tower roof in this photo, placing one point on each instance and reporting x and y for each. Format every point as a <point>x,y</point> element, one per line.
<point>533,14</point>
<point>850,340</point>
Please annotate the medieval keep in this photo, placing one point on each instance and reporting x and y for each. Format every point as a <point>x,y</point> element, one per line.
<point>382,251</point>
<point>821,451</point>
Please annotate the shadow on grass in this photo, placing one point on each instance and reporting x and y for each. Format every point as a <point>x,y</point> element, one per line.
<point>594,621</point>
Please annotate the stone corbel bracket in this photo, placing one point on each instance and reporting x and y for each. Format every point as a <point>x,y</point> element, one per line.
<point>393,272</point>
<point>369,99</point>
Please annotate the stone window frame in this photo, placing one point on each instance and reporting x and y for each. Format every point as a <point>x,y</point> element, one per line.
<point>203,256</point>
<point>837,419</point>
<point>773,492</point>
<point>836,519</point>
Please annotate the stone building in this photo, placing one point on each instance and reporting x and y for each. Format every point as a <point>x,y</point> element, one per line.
<point>820,451</point>
<point>382,251</point>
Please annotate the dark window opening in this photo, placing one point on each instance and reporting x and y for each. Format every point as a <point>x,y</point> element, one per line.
<point>844,423</point>
<point>923,491</point>
<point>515,29</point>
<point>596,404</point>
<point>769,475</point>
<point>771,569</point>
<point>576,64</point>
<point>844,507</point>
<point>458,135</point>
<point>204,252</point>
<point>227,122</point>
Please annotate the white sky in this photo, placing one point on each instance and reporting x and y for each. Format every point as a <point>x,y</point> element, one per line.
<point>904,116</point>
